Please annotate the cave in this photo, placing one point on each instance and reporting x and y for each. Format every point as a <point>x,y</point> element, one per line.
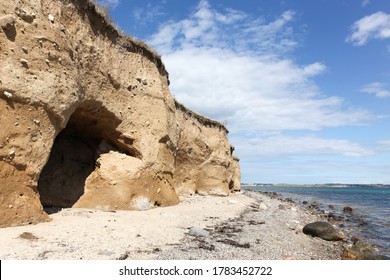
<point>90,131</point>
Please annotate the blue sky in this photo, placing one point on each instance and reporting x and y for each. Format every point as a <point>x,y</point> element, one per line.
<point>303,85</point>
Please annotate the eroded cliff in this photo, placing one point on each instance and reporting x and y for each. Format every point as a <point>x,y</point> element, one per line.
<point>87,119</point>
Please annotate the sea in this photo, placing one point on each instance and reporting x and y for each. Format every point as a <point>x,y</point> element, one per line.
<point>369,220</point>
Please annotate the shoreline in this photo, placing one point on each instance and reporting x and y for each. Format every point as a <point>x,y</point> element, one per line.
<point>348,218</point>
<point>268,229</point>
<point>244,225</point>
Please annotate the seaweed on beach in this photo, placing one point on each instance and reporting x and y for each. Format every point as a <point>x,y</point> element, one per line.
<point>234,243</point>
<point>206,246</point>
<point>228,230</point>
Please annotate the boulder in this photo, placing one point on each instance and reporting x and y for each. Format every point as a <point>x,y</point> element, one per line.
<point>323,230</point>
<point>347,209</point>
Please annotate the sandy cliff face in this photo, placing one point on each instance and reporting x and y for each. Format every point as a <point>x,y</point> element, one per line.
<point>87,119</point>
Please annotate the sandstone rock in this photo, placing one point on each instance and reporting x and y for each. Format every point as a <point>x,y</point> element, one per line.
<point>7,22</point>
<point>25,14</point>
<point>84,140</point>
<point>323,230</point>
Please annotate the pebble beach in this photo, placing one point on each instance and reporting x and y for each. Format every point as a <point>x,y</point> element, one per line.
<point>244,225</point>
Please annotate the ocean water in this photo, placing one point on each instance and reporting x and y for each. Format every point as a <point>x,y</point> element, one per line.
<point>370,204</point>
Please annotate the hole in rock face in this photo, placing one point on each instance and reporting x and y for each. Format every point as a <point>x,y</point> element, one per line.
<point>71,161</point>
<point>90,131</point>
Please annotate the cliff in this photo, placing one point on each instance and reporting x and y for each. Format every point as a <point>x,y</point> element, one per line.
<point>87,119</point>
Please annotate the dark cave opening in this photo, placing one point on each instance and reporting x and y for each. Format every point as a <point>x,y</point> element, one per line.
<point>71,161</point>
<point>90,131</point>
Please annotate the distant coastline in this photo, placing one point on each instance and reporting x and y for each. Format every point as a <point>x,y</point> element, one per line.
<point>334,185</point>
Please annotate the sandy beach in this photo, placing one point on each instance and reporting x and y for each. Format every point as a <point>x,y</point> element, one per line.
<point>245,225</point>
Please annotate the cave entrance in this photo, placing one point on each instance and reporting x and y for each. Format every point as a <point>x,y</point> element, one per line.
<point>90,131</point>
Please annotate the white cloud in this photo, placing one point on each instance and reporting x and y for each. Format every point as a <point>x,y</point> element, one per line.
<point>236,68</point>
<point>276,145</point>
<point>378,89</point>
<point>149,13</point>
<point>233,67</point>
<point>374,26</point>
<point>233,30</point>
<point>383,145</point>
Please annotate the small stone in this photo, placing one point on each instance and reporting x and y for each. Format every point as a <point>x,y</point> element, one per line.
<point>354,239</point>
<point>281,207</point>
<point>8,95</point>
<point>50,18</point>
<point>25,49</point>
<point>24,61</point>
<point>158,190</point>
<point>12,153</point>
<point>36,121</point>
<point>347,209</point>
<point>106,253</point>
<point>16,124</point>
<point>262,206</point>
<point>10,206</point>
<point>198,232</point>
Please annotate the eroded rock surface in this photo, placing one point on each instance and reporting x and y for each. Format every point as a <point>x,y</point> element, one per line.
<point>87,119</point>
